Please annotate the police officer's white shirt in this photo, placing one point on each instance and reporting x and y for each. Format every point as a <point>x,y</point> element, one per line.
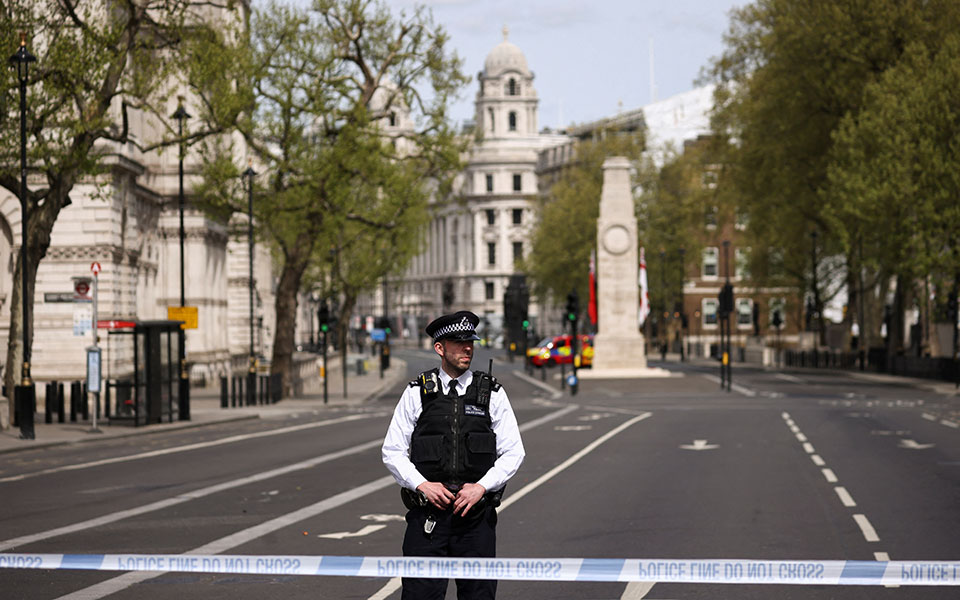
<point>396,444</point>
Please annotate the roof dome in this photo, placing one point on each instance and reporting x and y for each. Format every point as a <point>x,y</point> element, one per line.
<point>505,56</point>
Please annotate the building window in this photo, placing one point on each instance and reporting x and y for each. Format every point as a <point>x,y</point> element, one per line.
<point>709,312</point>
<point>488,290</point>
<point>489,183</point>
<point>491,216</point>
<point>710,262</point>
<point>393,119</point>
<point>512,121</point>
<point>517,182</point>
<point>512,88</point>
<point>744,312</point>
<point>492,253</point>
<point>490,113</point>
<point>517,216</point>
<point>517,252</point>
<point>710,218</point>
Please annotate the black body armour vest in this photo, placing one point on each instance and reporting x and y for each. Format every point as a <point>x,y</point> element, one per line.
<point>453,441</point>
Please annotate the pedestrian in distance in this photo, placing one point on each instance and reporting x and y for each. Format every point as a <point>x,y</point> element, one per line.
<point>452,446</point>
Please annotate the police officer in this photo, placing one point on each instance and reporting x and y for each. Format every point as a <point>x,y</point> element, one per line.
<point>452,445</point>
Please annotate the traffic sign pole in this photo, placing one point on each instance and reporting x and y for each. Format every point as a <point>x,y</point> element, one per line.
<point>93,387</point>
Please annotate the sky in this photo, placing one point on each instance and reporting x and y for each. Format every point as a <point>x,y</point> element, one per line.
<point>587,56</point>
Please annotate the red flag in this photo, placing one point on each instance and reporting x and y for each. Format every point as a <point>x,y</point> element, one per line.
<point>592,308</point>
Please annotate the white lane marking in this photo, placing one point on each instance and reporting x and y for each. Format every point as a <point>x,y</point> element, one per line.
<point>953,424</point>
<point>573,427</point>
<point>817,460</point>
<point>829,475</point>
<point>913,445</point>
<point>801,437</point>
<point>111,586</point>
<point>789,378</point>
<point>869,533</point>
<point>636,590</point>
<point>554,393</point>
<point>735,387</point>
<point>367,530</point>
<point>808,448</point>
<point>394,584</point>
<point>186,496</point>
<point>794,429</point>
<point>116,584</point>
<point>382,518</point>
<point>845,496</point>
<point>188,447</point>
<point>700,445</point>
<point>594,417</point>
<point>884,557</point>
<point>929,417</point>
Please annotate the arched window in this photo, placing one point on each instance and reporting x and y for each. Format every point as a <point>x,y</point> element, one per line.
<point>490,112</point>
<point>512,121</point>
<point>512,88</point>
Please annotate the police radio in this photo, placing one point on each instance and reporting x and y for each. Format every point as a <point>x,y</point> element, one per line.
<point>484,386</point>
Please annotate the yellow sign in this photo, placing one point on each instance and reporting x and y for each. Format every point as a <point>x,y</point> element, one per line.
<point>187,314</point>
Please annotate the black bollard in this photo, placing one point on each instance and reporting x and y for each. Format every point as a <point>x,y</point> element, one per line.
<point>74,400</point>
<point>224,396</point>
<point>49,401</point>
<point>25,404</point>
<point>61,417</point>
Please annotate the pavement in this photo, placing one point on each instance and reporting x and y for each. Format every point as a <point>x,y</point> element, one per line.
<point>205,408</point>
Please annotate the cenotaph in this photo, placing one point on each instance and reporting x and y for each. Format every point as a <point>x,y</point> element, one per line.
<point>618,345</point>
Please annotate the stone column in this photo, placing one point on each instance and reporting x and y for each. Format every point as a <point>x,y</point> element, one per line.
<point>618,345</point>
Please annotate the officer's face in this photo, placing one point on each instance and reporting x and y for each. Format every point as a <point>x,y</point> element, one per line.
<point>455,355</point>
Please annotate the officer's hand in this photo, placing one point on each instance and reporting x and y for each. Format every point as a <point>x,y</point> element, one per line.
<point>468,495</point>
<point>437,494</point>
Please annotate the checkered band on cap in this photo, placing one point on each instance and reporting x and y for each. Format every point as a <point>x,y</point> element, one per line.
<point>463,326</point>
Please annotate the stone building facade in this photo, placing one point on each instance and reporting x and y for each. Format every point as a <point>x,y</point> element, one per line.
<point>127,220</point>
<point>475,240</point>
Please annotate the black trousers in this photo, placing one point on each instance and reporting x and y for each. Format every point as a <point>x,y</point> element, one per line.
<point>474,535</point>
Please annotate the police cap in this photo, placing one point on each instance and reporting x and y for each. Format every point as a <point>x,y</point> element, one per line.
<point>460,326</point>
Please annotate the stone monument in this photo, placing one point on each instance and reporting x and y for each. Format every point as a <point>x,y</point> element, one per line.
<point>618,345</point>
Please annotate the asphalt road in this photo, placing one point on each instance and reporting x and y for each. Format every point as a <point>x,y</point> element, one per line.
<point>793,465</point>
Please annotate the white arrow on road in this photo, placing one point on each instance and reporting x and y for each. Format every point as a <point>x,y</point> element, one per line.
<point>349,534</point>
<point>573,427</point>
<point>700,445</point>
<point>913,445</point>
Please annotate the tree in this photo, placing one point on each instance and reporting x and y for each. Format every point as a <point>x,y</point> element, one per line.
<point>94,72</point>
<point>348,119</point>
<point>792,71</point>
<point>566,232</point>
<point>895,171</point>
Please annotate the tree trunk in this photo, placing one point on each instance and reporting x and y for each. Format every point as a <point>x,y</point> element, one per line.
<point>40,221</point>
<point>294,266</point>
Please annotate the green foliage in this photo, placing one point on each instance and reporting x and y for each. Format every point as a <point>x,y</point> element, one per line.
<point>895,170</point>
<point>816,145</point>
<point>343,109</point>
<point>567,231</point>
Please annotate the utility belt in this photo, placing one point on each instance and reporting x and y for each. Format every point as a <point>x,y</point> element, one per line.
<point>416,499</point>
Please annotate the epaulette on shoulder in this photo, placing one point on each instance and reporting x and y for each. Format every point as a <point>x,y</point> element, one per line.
<point>496,384</point>
<point>414,383</point>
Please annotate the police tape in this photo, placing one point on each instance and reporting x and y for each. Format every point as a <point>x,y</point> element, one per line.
<point>794,572</point>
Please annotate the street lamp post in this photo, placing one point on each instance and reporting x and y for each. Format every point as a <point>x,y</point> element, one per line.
<point>249,174</point>
<point>682,315</point>
<point>816,317</point>
<point>183,395</point>
<point>663,305</point>
<point>25,393</point>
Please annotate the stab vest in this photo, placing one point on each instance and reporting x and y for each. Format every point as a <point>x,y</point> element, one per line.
<point>453,441</point>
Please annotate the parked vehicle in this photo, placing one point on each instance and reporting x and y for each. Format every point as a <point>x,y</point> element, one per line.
<point>557,350</point>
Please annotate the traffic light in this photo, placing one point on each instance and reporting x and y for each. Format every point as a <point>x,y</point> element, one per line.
<point>573,306</point>
<point>777,320</point>
<point>323,317</point>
